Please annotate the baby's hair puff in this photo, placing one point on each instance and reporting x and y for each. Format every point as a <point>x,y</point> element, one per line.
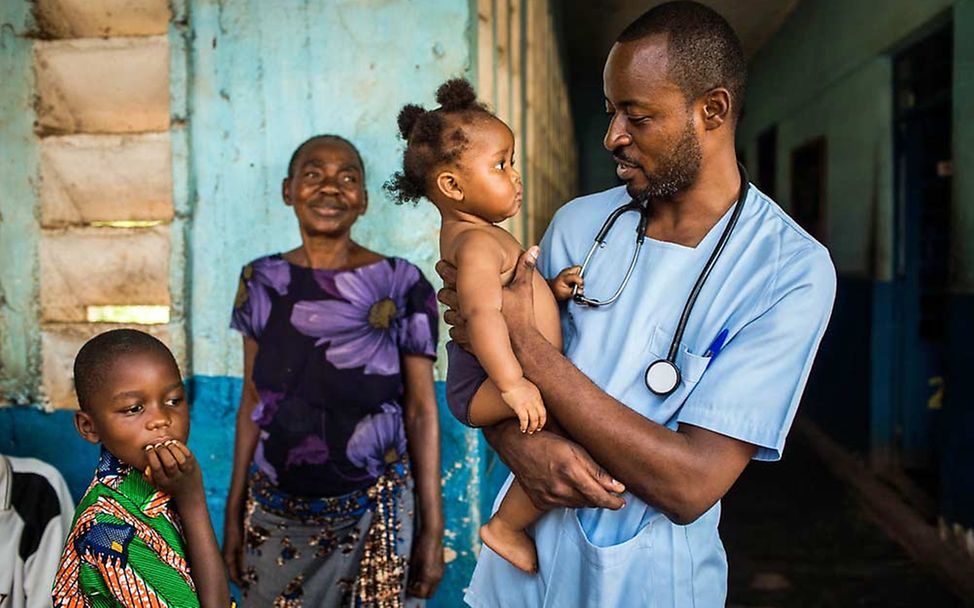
<point>433,137</point>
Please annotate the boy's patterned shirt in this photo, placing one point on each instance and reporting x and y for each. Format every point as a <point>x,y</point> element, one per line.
<point>125,547</point>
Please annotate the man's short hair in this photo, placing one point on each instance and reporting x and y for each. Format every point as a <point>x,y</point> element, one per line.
<point>99,354</point>
<point>703,52</point>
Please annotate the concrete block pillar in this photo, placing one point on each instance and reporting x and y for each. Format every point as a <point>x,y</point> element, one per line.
<point>105,187</point>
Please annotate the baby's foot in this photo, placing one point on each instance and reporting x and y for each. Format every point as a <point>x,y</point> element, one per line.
<point>513,545</point>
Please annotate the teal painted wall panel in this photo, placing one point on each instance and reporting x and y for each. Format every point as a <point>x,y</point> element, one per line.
<point>854,115</point>
<point>266,76</point>
<point>821,43</point>
<point>19,229</point>
<point>261,78</point>
<point>49,436</point>
<point>827,72</point>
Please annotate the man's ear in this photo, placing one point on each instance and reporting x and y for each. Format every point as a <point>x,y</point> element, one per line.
<point>449,186</point>
<point>716,108</point>
<point>86,426</point>
<point>286,190</point>
<point>365,201</point>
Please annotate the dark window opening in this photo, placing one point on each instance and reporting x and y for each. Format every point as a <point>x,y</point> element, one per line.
<point>808,179</point>
<point>768,160</point>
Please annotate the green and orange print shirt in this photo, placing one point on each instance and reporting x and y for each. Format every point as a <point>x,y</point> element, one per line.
<point>125,547</point>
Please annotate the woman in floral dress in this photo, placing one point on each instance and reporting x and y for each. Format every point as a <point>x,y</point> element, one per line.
<point>335,497</point>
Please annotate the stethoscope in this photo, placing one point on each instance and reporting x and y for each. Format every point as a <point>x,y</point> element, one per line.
<point>662,375</point>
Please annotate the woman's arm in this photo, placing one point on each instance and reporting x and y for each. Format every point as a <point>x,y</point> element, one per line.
<point>245,442</point>
<point>423,440</point>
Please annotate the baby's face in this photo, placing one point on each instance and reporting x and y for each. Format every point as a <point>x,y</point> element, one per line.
<point>491,185</point>
<point>142,403</point>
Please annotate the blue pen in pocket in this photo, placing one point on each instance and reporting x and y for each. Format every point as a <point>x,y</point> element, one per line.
<point>715,346</point>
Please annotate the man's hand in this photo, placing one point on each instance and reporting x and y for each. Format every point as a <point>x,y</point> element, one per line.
<point>554,471</point>
<point>517,304</point>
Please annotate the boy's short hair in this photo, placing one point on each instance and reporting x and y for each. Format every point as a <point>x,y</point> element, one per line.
<point>98,355</point>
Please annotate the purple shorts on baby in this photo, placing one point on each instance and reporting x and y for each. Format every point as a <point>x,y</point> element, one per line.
<point>464,376</point>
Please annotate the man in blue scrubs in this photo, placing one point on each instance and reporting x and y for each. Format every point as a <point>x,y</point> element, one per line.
<point>674,84</point>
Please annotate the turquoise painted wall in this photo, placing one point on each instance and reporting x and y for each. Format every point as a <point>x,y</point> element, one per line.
<point>19,230</point>
<point>261,78</point>
<point>249,81</point>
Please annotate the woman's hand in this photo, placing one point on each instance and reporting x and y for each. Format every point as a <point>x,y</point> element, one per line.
<point>426,564</point>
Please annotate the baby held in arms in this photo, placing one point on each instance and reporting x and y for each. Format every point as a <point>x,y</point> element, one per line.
<point>461,157</point>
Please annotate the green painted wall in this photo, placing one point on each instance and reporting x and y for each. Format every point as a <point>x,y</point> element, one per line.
<point>19,228</point>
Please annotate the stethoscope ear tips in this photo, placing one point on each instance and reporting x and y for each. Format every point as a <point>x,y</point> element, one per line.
<point>662,377</point>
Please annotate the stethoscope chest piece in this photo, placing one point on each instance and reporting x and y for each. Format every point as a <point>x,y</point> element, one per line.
<point>662,377</point>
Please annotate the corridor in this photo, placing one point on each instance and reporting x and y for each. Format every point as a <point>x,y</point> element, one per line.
<point>797,538</point>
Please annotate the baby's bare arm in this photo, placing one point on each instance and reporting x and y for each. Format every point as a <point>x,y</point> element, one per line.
<point>480,260</point>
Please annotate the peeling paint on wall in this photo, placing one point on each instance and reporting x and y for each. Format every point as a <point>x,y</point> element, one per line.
<point>20,352</point>
<point>263,79</point>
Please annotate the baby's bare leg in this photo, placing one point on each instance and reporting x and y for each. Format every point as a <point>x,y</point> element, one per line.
<point>505,532</point>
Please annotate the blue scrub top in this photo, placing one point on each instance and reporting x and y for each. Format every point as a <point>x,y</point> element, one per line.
<point>772,290</point>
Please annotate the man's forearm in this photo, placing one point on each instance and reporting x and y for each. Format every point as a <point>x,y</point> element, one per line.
<point>656,464</point>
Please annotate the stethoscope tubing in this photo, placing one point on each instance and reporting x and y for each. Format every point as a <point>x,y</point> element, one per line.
<point>643,210</point>
<point>714,256</point>
<point>600,243</point>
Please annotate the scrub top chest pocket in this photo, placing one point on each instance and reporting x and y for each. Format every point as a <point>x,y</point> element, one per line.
<point>691,365</point>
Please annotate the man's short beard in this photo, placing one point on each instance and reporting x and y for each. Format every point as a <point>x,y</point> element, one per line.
<point>677,172</point>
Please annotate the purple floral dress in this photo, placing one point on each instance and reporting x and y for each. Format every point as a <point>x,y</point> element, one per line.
<point>328,367</point>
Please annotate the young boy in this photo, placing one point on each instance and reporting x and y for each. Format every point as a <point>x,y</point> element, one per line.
<point>141,534</point>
